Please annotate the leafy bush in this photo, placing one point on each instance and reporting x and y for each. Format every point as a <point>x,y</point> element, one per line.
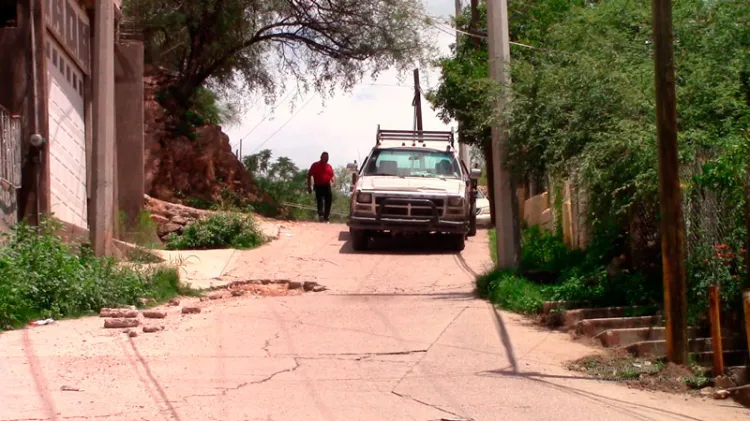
<point>41,276</point>
<point>222,230</point>
<point>546,252</point>
<point>512,292</point>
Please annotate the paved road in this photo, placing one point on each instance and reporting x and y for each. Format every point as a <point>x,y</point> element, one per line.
<point>398,336</point>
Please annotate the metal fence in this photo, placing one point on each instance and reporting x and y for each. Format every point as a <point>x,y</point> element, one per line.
<point>10,168</point>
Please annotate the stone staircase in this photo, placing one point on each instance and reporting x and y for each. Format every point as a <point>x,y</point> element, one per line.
<point>640,331</point>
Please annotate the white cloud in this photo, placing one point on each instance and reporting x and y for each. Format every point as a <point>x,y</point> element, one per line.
<point>345,125</point>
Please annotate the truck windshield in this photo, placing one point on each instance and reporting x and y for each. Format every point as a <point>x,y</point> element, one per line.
<point>412,163</point>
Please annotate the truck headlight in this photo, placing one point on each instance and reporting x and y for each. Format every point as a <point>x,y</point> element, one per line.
<point>364,197</point>
<point>455,201</point>
<point>484,211</point>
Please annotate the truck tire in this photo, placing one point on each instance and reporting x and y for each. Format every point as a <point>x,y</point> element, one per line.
<point>360,240</point>
<point>472,223</point>
<point>458,242</point>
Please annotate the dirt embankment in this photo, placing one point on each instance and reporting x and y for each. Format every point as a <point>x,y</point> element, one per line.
<point>179,168</point>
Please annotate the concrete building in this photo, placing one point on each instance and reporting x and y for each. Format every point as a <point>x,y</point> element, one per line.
<point>69,81</point>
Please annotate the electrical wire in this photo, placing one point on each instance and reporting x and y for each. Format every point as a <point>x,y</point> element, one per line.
<point>263,119</point>
<point>283,125</point>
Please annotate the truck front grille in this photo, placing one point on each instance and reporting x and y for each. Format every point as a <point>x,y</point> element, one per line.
<point>409,208</point>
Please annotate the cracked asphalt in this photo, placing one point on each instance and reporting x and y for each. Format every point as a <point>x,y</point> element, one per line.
<point>398,336</point>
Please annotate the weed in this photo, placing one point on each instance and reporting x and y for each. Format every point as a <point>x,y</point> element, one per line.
<point>217,231</point>
<point>512,292</point>
<point>41,276</point>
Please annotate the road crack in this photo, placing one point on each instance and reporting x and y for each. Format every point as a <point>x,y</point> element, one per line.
<point>413,399</point>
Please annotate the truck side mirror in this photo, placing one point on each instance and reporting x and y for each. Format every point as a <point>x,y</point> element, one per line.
<point>352,167</point>
<point>476,173</point>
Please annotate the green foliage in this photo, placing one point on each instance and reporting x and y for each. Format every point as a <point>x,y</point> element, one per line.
<point>248,46</point>
<point>511,292</point>
<point>218,231</point>
<point>40,277</point>
<point>545,252</point>
<point>582,108</point>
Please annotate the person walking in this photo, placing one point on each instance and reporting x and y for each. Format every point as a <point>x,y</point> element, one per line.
<point>321,174</point>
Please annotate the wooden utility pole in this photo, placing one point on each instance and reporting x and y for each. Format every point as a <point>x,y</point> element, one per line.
<point>417,103</point>
<point>506,211</point>
<point>672,224</point>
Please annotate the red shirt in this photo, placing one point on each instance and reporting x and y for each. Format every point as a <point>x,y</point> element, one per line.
<point>321,173</point>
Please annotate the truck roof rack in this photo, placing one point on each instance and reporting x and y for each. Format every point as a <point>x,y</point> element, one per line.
<point>414,136</point>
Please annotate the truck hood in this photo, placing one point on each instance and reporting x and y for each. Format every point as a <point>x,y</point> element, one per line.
<point>412,184</point>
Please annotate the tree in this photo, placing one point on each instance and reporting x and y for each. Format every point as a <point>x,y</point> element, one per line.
<point>253,44</point>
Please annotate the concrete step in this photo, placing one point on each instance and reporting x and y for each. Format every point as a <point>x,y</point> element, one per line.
<point>571,317</point>
<point>658,348</point>
<point>549,306</point>
<point>625,337</point>
<point>593,327</point>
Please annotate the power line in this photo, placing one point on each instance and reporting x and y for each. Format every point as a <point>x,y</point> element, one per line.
<point>263,119</point>
<point>283,125</point>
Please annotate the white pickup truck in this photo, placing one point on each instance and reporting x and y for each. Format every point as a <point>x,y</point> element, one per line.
<point>412,182</point>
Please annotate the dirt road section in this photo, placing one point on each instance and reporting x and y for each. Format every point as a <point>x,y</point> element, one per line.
<point>398,336</point>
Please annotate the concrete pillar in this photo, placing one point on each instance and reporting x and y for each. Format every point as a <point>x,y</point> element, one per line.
<point>104,127</point>
<point>129,112</point>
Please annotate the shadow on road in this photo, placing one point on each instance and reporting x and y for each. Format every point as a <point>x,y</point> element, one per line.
<point>400,245</point>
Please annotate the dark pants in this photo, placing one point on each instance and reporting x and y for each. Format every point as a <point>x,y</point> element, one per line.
<point>323,196</point>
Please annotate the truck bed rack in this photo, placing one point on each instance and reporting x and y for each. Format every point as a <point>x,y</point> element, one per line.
<point>414,136</point>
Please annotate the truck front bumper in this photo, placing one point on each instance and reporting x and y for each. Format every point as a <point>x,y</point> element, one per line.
<point>408,225</point>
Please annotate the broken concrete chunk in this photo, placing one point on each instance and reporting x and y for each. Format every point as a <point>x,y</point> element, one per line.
<point>118,312</point>
<point>309,285</point>
<point>121,323</point>
<point>133,334</point>
<point>238,292</point>
<point>319,288</point>
<point>154,314</point>
<point>174,302</point>
<point>722,394</point>
<point>724,382</point>
<point>152,329</point>
<point>216,295</point>
<point>191,310</point>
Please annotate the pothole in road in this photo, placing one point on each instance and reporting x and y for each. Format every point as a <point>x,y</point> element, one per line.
<point>265,288</point>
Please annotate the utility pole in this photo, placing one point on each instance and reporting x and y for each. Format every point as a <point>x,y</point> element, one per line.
<point>506,212</point>
<point>417,103</point>
<point>672,224</point>
<point>463,148</point>
<point>104,127</point>
<point>239,156</point>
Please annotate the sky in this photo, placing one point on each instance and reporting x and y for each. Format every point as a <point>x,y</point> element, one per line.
<point>345,125</point>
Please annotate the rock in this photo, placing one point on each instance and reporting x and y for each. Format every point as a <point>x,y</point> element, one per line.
<point>154,314</point>
<point>707,391</point>
<point>309,286</point>
<point>203,298</point>
<point>118,313</point>
<point>174,302</point>
<point>168,228</point>
<point>146,302</point>
<point>159,220</point>
<point>722,394</point>
<point>295,285</point>
<point>238,293</point>
<point>152,329</point>
<point>319,288</point>
<point>191,310</point>
<point>216,295</point>
<point>181,220</point>
<point>121,323</point>
<point>133,334</point>
<point>724,382</point>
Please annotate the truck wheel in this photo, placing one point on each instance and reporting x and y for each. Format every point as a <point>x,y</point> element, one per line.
<point>472,224</point>
<point>360,240</point>
<point>458,242</point>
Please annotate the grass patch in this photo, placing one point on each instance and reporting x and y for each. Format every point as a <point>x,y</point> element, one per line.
<point>217,231</point>
<point>512,292</point>
<point>42,277</point>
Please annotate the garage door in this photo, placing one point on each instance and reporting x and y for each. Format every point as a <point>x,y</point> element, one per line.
<point>67,137</point>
